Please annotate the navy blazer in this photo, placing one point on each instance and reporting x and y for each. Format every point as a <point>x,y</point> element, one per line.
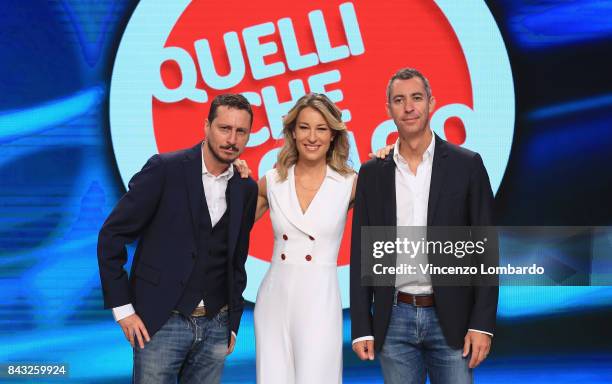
<point>161,209</point>
<point>459,195</point>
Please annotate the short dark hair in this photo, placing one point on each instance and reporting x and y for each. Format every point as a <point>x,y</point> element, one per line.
<point>229,100</point>
<point>405,74</point>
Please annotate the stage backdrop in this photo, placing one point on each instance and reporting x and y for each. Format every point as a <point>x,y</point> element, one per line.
<point>92,89</point>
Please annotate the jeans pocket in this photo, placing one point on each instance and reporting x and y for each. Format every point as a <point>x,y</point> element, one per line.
<point>222,318</point>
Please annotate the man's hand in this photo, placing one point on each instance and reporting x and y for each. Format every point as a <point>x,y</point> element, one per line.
<point>243,168</point>
<point>132,327</point>
<point>480,343</point>
<point>230,349</point>
<point>364,349</point>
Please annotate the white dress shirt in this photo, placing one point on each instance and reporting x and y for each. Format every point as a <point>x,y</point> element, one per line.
<point>214,191</point>
<point>411,199</point>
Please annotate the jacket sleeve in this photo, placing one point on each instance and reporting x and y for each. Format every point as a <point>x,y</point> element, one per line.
<point>124,225</point>
<point>240,257</point>
<point>481,203</point>
<point>361,296</point>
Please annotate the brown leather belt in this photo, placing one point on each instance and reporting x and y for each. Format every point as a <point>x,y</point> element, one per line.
<point>416,300</point>
<point>201,311</point>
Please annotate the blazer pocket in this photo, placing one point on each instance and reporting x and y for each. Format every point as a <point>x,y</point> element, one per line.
<point>148,273</point>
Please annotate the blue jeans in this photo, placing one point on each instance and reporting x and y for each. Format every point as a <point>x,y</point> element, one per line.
<point>415,347</point>
<point>185,349</point>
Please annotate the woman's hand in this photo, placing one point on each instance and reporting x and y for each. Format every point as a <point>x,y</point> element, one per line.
<point>382,152</point>
<point>243,168</point>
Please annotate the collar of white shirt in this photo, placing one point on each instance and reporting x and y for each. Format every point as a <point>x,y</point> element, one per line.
<point>333,174</point>
<point>330,172</point>
<point>429,152</point>
<point>229,172</point>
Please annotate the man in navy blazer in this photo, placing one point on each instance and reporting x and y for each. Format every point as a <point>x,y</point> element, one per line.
<point>426,328</point>
<point>181,305</point>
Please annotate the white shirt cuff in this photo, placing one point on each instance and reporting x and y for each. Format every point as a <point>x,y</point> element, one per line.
<point>234,334</point>
<point>362,338</point>
<point>479,331</point>
<point>123,311</point>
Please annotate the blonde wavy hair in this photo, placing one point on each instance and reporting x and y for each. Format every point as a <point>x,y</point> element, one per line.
<point>338,153</point>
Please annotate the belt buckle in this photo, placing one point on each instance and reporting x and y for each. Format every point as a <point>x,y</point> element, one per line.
<point>414,300</point>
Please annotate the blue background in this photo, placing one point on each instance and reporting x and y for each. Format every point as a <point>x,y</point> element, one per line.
<point>58,181</point>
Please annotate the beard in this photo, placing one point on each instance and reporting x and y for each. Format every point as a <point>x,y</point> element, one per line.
<point>218,157</point>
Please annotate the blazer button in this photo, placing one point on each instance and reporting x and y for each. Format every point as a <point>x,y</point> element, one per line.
<point>311,238</point>
<point>285,237</point>
<point>283,256</point>
<point>308,257</point>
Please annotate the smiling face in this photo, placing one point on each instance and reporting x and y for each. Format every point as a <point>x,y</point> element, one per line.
<point>312,135</point>
<point>228,133</point>
<point>409,106</point>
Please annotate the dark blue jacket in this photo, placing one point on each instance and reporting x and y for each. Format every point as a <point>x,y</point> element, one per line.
<point>161,209</point>
<point>459,195</point>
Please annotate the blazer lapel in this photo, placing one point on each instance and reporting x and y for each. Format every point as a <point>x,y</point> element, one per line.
<point>438,175</point>
<point>192,171</point>
<point>286,197</point>
<point>235,206</point>
<point>387,191</point>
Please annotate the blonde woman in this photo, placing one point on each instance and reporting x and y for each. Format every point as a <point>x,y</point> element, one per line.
<point>298,313</point>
